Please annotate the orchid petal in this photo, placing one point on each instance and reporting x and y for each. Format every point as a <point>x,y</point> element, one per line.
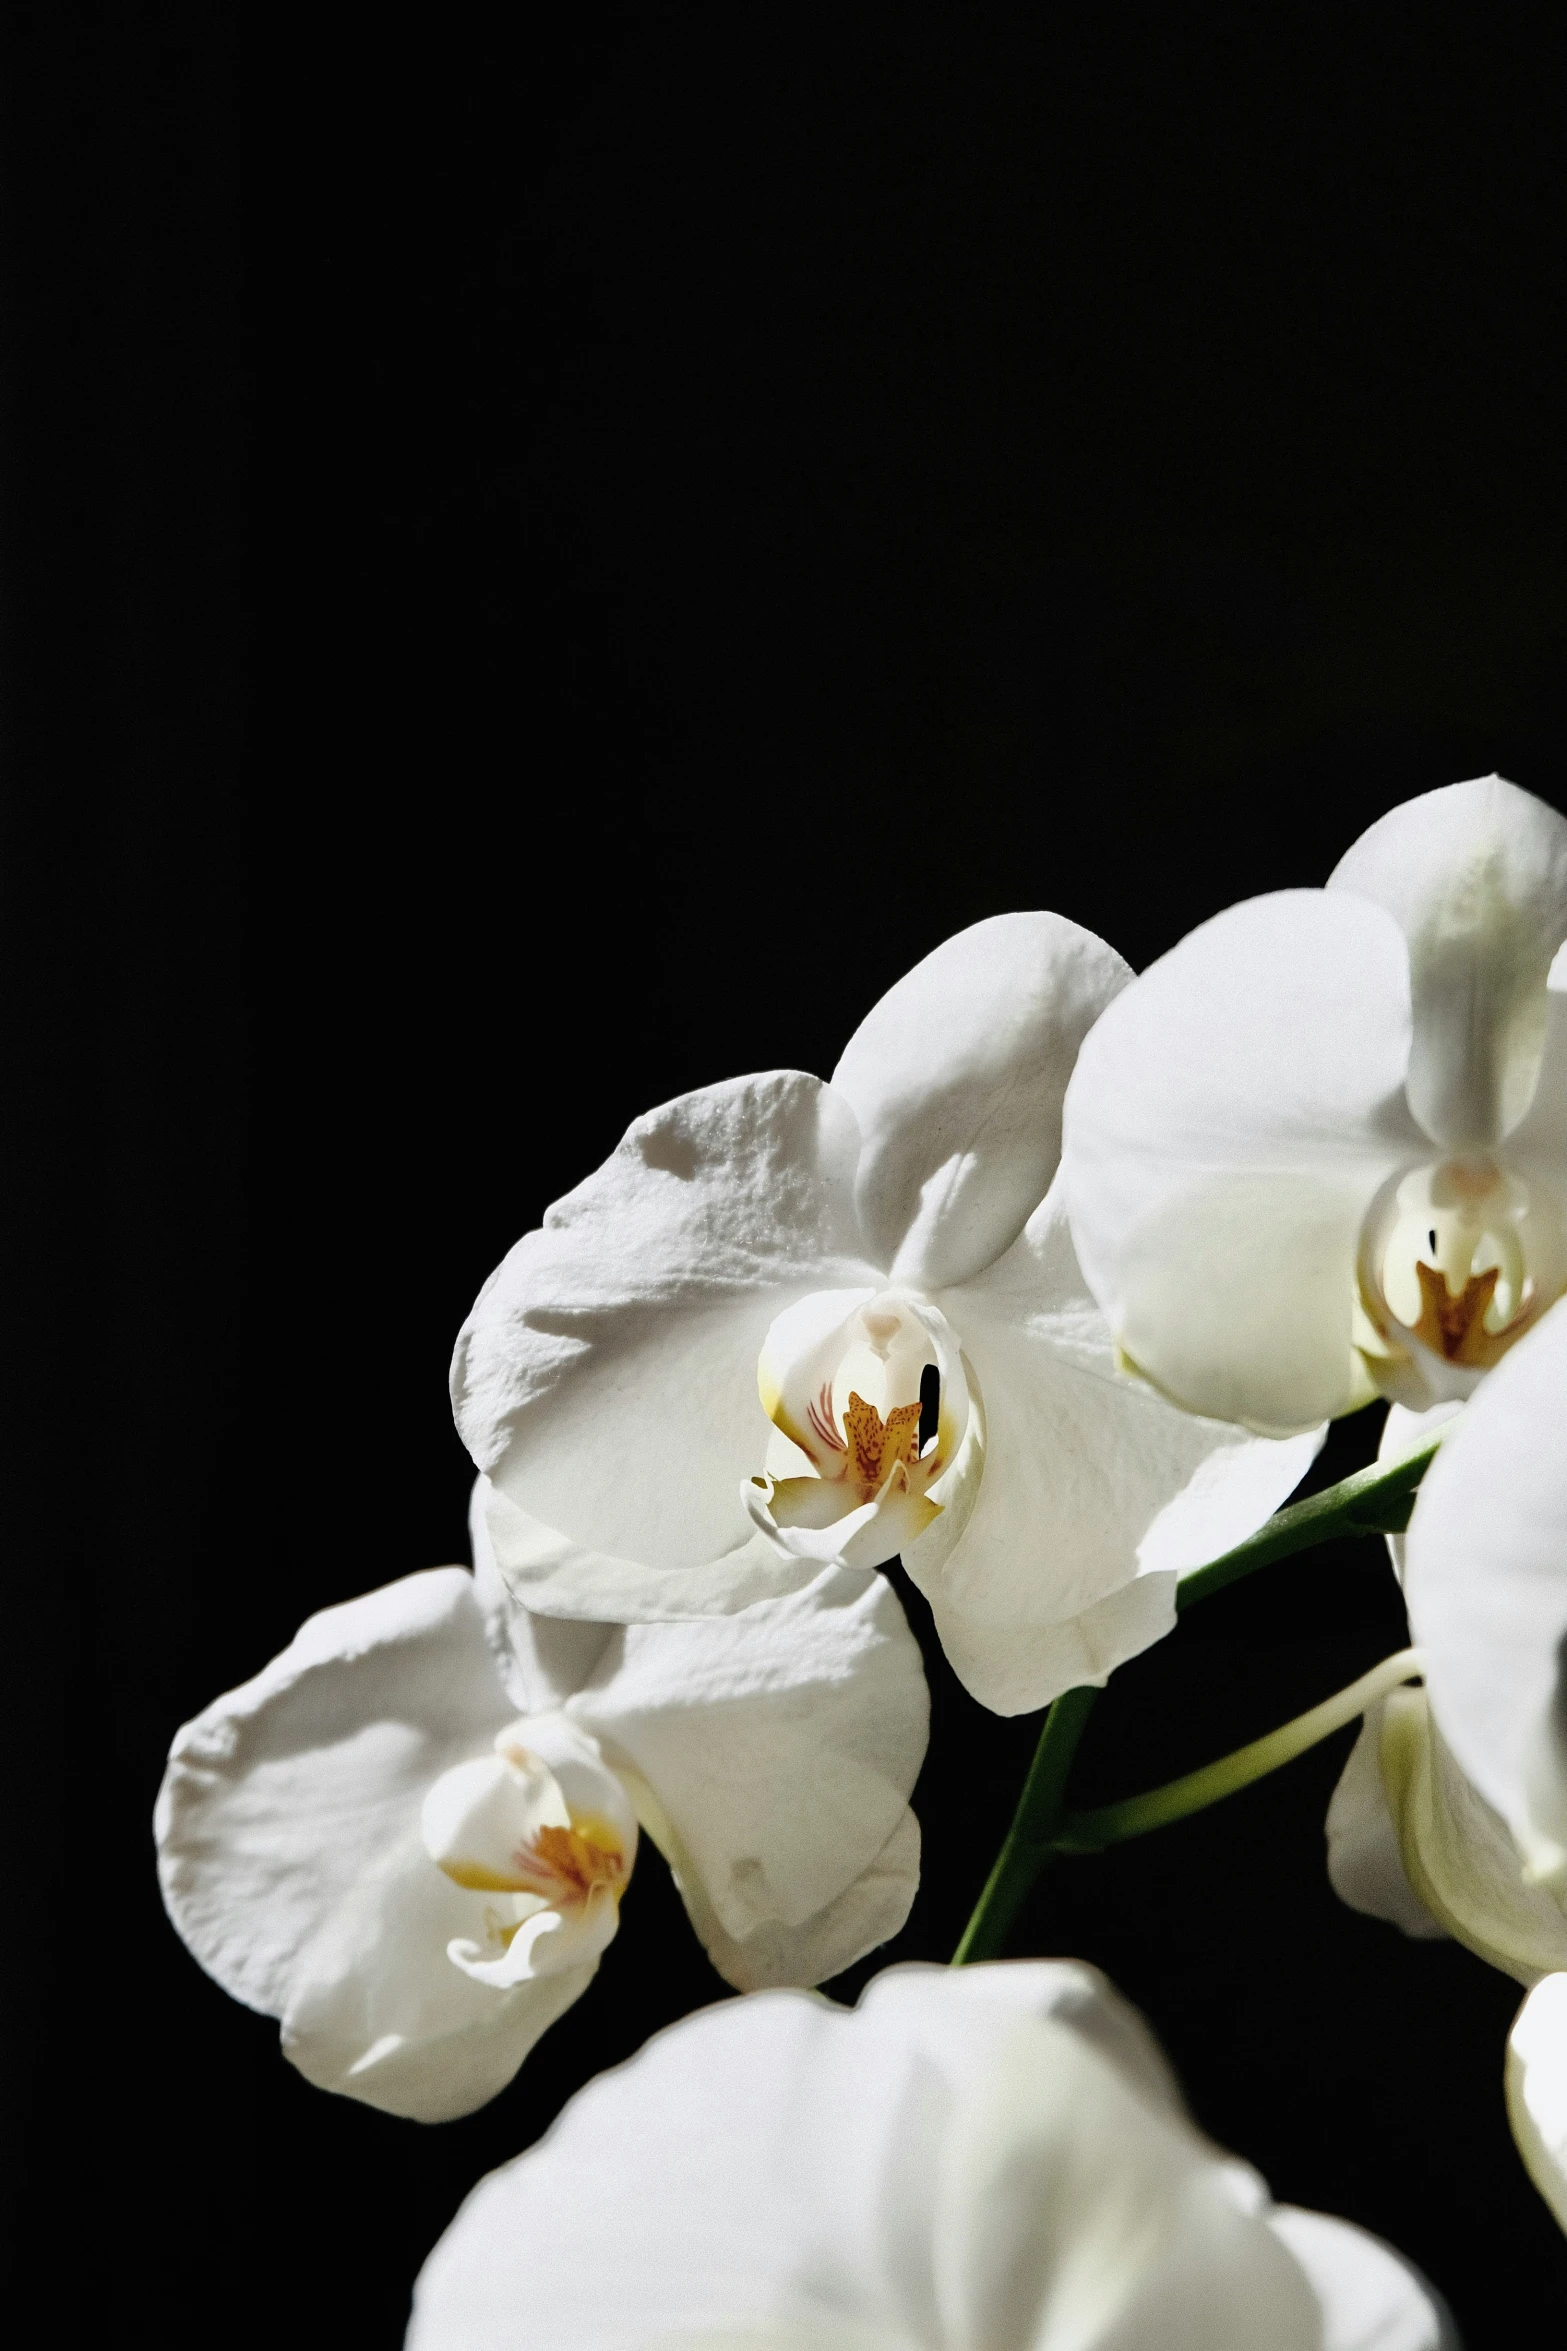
<point>992,2155</point>
<point>1231,1117</point>
<point>1476,877</point>
<point>605,1380</point>
<point>292,1865</point>
<point>540,1658</point>
<point>780,1746</point>
<point>1457,1853</point>
<point>1402,1431</point>
<point>865,1915</point>
<point>1092,1493</point>
<point>549,1575</point>
<point>1365,1861</point>
<point>1536,2081</point>
<point>956,1078</point>
<point>1066,2200</point>
<point>1371,2298</point>
<point>1486,1577</point>
<point>378,2011</point>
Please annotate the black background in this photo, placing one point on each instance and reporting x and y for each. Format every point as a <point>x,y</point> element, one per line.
<point>551,558</point>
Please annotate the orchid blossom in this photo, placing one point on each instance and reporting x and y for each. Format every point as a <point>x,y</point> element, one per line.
<point>790,1322</point>
<point>1319,1150</point>
<point>409,1836</point>
<point>1451,1815</point>
<point>967,2162</point>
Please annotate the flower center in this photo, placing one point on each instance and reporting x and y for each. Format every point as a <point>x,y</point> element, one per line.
<point>869,1399</point>
<point>503,1824</point>
<point>1457,1260</point>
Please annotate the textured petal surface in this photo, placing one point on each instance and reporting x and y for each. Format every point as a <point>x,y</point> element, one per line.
<point>1230,1119</point>
<point>991,2156</point>
<point>292,1864</point>
<point>956,1078</point>
<point>1093,1493</point>
<point>1537,2089</point>
<point>1486,1578</point>
<point>606,1378</point>
<point>1476,877</point>
<point>780,1745</point>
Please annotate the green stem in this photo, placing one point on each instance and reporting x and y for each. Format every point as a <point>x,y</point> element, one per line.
<point>1375,1501</point>
<point>1027,1849</point>
<point>1112,1824</point>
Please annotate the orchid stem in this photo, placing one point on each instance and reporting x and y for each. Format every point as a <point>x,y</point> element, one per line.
<point>1030,1840</point>
<point>1112,1824</point>
<point>1375,1501</point>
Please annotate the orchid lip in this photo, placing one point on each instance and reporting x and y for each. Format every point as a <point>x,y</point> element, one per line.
<point>1457,1259</point>
<point>869,1402</point>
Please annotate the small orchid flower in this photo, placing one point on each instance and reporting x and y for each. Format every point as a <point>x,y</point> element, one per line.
<point>1319,1150</point>
<point>993,2157</point>
<point>1451,1815</point>
<point>788,1323</point>
<point>409,1836</point>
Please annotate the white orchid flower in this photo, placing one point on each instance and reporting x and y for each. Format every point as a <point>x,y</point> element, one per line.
<point>976,2160</point>
<point>1319,1150</point>
<point>1451,1815</point>
<point>1486,1577</point>
<point>408,1837</point>
<point>790,1322</point>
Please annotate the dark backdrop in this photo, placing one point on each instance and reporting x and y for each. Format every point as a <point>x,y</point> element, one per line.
<point>551,558</point>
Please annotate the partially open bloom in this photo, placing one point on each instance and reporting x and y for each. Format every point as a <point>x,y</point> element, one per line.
<point>409,1836</point>
<point>1319,1150</point>
<point>1452,1811</point>
<point>789,1322</point>
<point>971,2160</point>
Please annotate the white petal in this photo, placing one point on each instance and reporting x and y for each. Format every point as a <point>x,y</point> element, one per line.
<point>606,1378</point>
<point>288,1791</point>
<point>956,1079</point>
<point>1476,877</point>
<point>540,1658</point>
<point>780,1745</point>
<point>865,1915</point>
<point>1487,1586</point>
<point>1402,1431</point>
<point>291,1861</point>
<point>1537,1146</point>
<point>1537,2089</point>
<point>1070,2211</point>
<point>1094,1493</point>
<point>1458,1854</point>
<point>985,2156</point>
<point>1230,1119</point>
<point>378,2011</point>
<point>1365,1863</point>
<point>1370,2297</point>
<point>551,1576</point>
